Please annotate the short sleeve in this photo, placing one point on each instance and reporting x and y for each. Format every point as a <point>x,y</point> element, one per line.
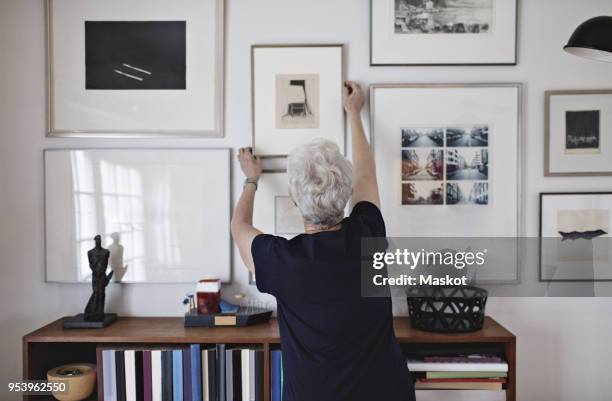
<point>369,218</point>
<point>263,250</point>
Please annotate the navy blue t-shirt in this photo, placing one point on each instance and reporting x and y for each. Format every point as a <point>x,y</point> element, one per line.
<point>337,345</point>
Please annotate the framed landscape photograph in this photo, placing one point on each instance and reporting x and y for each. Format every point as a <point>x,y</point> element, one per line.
<point>578,133</point>
<point>443,32</point>
<point>296,96</point>
<point>575,243</point>
<point>135,68</point>
<point>448,159</point>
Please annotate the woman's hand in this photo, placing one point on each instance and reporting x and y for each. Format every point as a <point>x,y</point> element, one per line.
<point>352,97</point>
<point>249,164</point>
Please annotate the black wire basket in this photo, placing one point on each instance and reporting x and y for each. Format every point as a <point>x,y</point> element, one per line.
<point>447,309</point>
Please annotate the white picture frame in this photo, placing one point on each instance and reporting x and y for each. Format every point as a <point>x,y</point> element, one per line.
<point>411,32</point>
<point>171,209</point>
<point>569,115</point>
<point>176,90</point>
<point>575,237</point>
<point>396,106</point>
<point>281,124</point>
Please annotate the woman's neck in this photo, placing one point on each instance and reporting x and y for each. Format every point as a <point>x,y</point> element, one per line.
<point>308,229</point>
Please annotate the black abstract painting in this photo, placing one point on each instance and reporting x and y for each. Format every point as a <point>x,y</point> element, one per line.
<point>135,55</point>
<point>582,129</point>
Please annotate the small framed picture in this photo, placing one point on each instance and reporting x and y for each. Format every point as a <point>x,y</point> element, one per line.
<point>440,32</point>
<point>578,133</point>
<point>575,242</point>
<point>296,96</point>
<point>137,68</point>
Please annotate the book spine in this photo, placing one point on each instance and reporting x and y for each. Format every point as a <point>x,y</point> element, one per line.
<point>167,375</point>
<point>453,367</point>
<point>259,373</point>
<point>187,375</point>
<point>139,365</point>
<point>221,372</point>
<point>110,379</point>
<point>229,376</point>
<point>130,375</point>
<point>237,374</point>
<point>147,375</point>
<point>120,371</point>
<point>156,375</point>
<point>100,373</point>
<point>177,375</point>
<point>275,375</point>
<point>251,375</point>
<point>245,372</point>
<point>196,372</point>
<point>213,378</point>
<point>205,376</point>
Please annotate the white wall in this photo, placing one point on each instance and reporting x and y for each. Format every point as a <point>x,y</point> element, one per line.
<point>563,344</point>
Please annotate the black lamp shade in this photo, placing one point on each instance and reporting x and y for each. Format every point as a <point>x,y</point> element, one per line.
<point>592,39</point>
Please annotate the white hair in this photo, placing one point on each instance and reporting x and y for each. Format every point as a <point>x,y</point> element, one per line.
<point>320,182</point>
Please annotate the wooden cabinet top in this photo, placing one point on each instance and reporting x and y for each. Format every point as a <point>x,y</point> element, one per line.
<point>170,330</point>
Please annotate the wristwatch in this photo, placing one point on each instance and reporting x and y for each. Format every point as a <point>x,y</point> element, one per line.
<point>249,180</point>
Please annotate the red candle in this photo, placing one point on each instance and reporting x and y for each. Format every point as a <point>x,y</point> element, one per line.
<point>209,296</point>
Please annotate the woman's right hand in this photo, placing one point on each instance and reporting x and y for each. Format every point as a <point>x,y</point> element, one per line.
<point>352,97</point>
<point>249,164</point>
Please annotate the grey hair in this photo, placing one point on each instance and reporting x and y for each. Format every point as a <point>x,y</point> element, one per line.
<point>320,182</point>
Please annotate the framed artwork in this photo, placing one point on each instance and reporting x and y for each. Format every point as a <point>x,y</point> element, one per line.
<point>135,69</point>
<point>274,211</point>
<point>154,209</point>
<point>448,160</point>
<point>443,32</point>
<point>296,96</point>
<point>575,236</point>
<point>578,133</point>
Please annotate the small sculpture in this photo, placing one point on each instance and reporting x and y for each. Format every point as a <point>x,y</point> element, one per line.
<point>98,263</point>
<point>94,316</point>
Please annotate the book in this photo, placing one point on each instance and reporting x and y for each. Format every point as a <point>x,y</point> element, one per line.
<point>460,395</point>
<point>110,383</point>
<point>421,366</point>
<point>252,375</point>
<point>464,380</point>
<point>221,372</point>
<point>205,375</point>
<point>464,358</point>
<point>213,381</point>
<point>129,359</point>
<point>195,355</point>
<point>259,381</point>
<point>229,376</point>
<point>245,374</point>
<point>461,375</point>
<point>147,377</point>
<point>167,393</point>
<point>457,385</point>
<point>177,375</point>
<point>100,373</point>
<point>187,374</point>
<point>237,374</point>
<point>275,375</point>
<point>156,375</point>
<point>138,368</point>
<point>120,374</point>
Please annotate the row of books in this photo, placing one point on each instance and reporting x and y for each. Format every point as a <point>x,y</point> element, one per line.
<point>193,373</point>
<point>458,377</point>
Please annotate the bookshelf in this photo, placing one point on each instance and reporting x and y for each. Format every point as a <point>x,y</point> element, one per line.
<point>51,345</point>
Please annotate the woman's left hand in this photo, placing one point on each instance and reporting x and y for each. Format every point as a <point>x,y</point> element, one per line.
<point>249,164</point>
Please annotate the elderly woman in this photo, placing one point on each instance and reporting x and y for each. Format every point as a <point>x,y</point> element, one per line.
<point>337,345</point>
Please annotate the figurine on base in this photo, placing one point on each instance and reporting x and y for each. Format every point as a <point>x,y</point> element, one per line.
<point>94,316</point>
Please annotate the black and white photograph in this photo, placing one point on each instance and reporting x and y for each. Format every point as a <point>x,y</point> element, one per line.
<point>474,136</point>
<point>467,164</point>
<point>422,164</point>
<point>422,137</point>
<point>297,101</point>
<point>423,193</point>
<point>467,193</point>
<point>582,131</point>
<point>443,16</point>
<point>124,55</point>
